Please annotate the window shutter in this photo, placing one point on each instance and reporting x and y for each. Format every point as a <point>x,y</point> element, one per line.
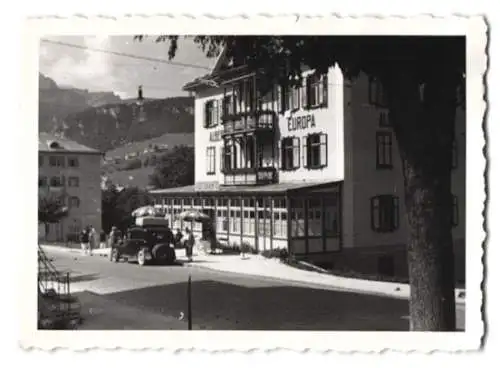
<point>222,157</point>
<point>323,153</point>
<point>395,212</point>
<point>309,92</point>
<point>207,112</point>
<point>296,152</point>
<point>305,151</point>
<point>304,94</point>
<point>375,213</point>
<point>324,90</point>
<point>279,156</point>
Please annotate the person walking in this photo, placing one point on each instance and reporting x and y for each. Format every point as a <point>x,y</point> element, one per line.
<point>189,244</point>
<point>93,239</point>
<point>84,239</point>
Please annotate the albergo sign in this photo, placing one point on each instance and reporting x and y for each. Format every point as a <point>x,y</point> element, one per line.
<point>301,122</point>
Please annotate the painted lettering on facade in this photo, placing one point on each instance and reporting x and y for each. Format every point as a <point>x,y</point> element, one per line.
<point>301,122</point>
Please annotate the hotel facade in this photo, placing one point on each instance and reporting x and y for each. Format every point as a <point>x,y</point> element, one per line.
<point>72,172</point>
<point>314,170</point>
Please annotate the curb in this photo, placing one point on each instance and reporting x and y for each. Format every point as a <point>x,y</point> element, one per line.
<point>458,301</point>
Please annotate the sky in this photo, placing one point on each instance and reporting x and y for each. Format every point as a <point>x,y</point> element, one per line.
<point>99,71</point>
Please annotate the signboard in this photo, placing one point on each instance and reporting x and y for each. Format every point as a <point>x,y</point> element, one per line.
<point>216,135</point>
<point>301,122</point>
<point>207,186</point>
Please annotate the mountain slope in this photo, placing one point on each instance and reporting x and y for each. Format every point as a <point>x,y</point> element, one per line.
<point>55,103</point>
<point>102,120</point>
<point>110,126</point>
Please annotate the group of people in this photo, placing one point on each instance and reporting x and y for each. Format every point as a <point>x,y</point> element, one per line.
<point>89,239</point>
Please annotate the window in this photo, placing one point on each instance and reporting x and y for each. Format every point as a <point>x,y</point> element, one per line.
<point>42,181</point>
<point>74,202</point>
<point>383,120</point>
<point>315,151</point>
<point>210,160</point>
<point>56,181</point>
<point>228,105</point>
<point>40,161</point>
<point>384,150</point>
<point>454,154</point>
<point>385,213</point>
<point>295,98</point>
<point>211,113</point>
<point>376,93</point>
<point>73,162</point>
<point>317,90</point>
<point>455,213</point>
<point>297,219</point>
<point>290,155</point>
<point>56,161</point>
<point>228,157</point>
<point>73,181</point>
<point>284,98</point>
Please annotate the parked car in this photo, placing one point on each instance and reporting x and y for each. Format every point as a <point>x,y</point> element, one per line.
<point>146,244</point>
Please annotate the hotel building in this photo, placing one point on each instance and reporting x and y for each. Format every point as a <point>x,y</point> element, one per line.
<point>72,171</point>
<point>315,170</point>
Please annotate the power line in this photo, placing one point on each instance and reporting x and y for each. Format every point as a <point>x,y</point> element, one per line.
<point>138,57</point>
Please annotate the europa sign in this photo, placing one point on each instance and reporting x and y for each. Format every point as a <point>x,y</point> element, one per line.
<point>301,122</point>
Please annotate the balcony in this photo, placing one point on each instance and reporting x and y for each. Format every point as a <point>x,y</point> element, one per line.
<point>249,122</point>
<point>250,176</point>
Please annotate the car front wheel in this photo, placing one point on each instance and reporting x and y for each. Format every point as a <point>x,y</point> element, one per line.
<point>141,257</point>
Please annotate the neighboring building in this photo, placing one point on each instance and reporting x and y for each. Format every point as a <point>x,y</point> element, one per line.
<point>72,170</point>
<point>315,170</point>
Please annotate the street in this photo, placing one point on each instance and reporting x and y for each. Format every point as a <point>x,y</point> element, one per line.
<point>223,301</point>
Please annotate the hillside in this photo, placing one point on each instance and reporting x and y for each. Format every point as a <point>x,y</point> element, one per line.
<point>146,153</point>
<point>55,103</point>
<point>111,126</point>
<point>103,121</point>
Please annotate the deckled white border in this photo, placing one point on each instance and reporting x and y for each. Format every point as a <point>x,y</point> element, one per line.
<point>474,28</point>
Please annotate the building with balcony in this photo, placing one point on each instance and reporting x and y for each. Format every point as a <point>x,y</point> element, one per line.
<point>314,169</point>
<point>71,171</point>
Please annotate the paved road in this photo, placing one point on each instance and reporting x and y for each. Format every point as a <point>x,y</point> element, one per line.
<point>223,301</point>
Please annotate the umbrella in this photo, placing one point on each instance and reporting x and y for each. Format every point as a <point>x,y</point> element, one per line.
<point>193,215</point>
<point>146,211</point>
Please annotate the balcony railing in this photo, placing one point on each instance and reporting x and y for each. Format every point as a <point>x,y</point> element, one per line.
<point>248,122</point>
<point>250,176</point>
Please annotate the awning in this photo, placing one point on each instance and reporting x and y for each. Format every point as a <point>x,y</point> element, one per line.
<point>269,189</point>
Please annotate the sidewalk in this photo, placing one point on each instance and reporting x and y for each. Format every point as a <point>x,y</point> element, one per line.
<point>256,265</point>
<point>101,313</point>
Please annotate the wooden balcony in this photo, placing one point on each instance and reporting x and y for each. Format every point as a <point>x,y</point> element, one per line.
<point>249,122</point>
<point>250,176</point>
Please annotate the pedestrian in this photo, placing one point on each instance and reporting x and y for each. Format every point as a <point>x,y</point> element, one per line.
<point>113,237</point>
<point>178,238</point>
<point>189,244</point>
<point>84,239</point>
<point>93,238</point>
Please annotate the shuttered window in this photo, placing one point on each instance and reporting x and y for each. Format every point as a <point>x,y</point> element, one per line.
<point>290,153</point>
<point>384,150</point>
<point>315,151</point>
<point>210,160</point>
<point>385,213</point>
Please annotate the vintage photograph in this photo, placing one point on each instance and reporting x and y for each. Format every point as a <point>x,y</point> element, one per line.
<point>257,182</point>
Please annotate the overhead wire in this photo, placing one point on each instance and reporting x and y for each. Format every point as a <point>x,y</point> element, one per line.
<point>123,54</point>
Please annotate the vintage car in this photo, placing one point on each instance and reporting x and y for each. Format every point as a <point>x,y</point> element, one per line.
<point>147,242</point>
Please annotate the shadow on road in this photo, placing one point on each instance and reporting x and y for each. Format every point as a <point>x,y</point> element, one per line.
<point>223,306</point>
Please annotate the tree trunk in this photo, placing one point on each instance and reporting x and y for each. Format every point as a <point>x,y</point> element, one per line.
<point>425,142</point>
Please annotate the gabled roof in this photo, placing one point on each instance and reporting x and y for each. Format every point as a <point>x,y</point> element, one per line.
<point>52,143</point>
<point>218,74</point>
